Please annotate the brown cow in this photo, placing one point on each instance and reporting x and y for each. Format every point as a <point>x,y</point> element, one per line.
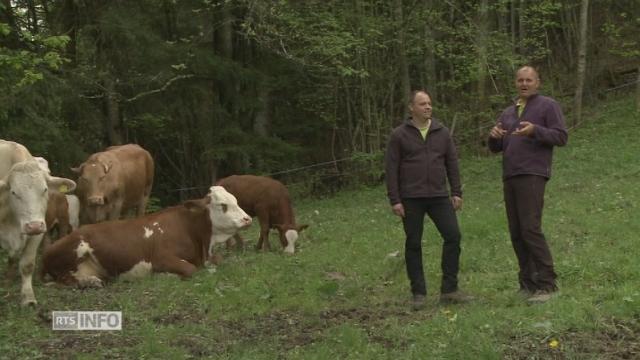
<point>114,181</point>
<point>268,199</point>
<point>61,217</point>
<point>177,240</point>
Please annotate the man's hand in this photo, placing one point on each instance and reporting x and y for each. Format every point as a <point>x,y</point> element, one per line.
<point>398,209</point>
<point>456,201</point>
<point>525,129</point>
<point>497,132</point>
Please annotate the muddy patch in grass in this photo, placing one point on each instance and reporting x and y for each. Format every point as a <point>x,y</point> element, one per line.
<point>296,329</point>
<point>615,339</point>
<point>181,317</point>
<point>69,345</point>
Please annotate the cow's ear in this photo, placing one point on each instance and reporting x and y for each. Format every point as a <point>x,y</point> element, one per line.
<point>195,205</point>
<point>61,185</point>
<point>107,166</point>
<point>301,227</point>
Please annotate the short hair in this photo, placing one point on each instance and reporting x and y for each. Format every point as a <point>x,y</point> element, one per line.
<point>413,94</point>
<point>529,67</point>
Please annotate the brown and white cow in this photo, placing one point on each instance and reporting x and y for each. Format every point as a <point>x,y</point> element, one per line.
<point>177,240</point>
<point>63,210</point>
<point>62,216</point>
<point>268,199</point>
<point>24,194</point>
<point>114,181</point>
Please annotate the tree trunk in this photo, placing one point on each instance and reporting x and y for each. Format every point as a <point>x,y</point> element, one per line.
<point>262,119</point>
<point>522,29</point>
<point>567,29</point>
<point>582,61</point>
<point>112,116</point>
<point>430,58</point>
<point>12,40</point>
<point>638,91</point>
<point>403,67</point>
<point>33,17</point>
<point>512,18</point>
<point>481,45</point>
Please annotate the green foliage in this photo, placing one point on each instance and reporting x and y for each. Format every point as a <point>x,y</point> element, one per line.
<point>618,29</point>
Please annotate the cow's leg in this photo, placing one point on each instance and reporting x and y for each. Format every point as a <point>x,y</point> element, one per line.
<point>116,210</point>
<point>263,241</point>
<point>12,269</point>
<point>142,206</point>
<point>27,265</point>
<point>236,241</point>
<point>174,265</point>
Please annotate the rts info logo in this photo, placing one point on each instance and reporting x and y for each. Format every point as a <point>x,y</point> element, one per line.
<point>86,320</point>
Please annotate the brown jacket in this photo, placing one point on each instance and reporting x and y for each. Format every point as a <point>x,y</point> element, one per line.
<point>417,168</point>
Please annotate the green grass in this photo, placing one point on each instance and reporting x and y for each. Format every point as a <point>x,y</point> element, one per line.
<point>345,295</point>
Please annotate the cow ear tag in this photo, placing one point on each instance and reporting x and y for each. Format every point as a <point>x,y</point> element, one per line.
<point>63,188</point>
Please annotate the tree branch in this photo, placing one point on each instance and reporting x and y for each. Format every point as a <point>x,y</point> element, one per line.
<point>161,89</point>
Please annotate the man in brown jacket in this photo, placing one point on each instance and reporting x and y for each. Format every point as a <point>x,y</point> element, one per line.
<point>420,158</point>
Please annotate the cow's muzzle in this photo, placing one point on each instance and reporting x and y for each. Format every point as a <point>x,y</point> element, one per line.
<point>34,227</point>
<point>246,221</point>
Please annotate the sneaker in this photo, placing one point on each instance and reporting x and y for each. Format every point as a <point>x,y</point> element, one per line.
<point>456,297</point>
<point>417,302</point>
<point>540,297</point>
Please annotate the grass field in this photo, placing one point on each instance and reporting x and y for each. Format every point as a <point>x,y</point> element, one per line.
<point>344,295</point>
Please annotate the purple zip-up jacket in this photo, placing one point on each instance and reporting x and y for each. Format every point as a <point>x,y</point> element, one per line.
<point>416,168</point>
<point>530,155</point>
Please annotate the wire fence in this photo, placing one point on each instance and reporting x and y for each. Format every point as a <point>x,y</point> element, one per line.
<point>330,176</point>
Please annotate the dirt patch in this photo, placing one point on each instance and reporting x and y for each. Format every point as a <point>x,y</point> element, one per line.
<point>615,339</point>
<point>198,346</point>
<point>180,318</point>
<point>68,345</point>
<point>292,329</point>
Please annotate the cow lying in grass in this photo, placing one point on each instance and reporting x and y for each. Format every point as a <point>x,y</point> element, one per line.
<point>177,240</point>
<point>268,199</point>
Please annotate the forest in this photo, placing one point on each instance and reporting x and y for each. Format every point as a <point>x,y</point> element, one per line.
<point>305,91</point>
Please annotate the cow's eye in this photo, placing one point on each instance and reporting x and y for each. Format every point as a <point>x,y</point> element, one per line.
<point>15,194</point>
<point>224,207</point>
<point>45,190</point>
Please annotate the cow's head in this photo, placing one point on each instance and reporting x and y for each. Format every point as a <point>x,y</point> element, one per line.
<point>94,184</point>
<point>289,235</point>
<point>225,214</point>
<point>25,190</point>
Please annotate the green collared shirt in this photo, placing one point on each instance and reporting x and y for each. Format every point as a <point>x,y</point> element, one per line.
<point>520,104</point>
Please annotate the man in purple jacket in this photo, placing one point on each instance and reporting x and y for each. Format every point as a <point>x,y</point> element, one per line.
<point>526,133</point>
<point>420,158</point>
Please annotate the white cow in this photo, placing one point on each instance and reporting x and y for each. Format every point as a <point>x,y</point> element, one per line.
<point>24,193</point>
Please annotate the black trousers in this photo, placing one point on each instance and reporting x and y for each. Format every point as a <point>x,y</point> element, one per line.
<point>524,200</point>
<point>441,212</point>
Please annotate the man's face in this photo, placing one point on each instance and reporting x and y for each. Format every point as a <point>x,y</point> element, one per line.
<point>527,82</point>
<point>421,107</point>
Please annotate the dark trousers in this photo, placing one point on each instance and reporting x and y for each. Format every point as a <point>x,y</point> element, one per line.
<point>441,212</point>
<point>524,200</point>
